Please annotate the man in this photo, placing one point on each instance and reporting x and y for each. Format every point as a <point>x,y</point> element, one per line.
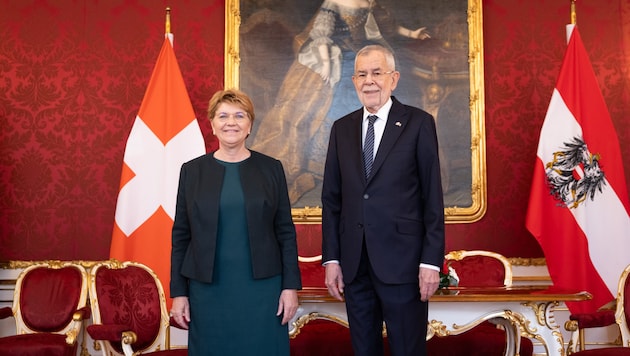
<point>383,229</point>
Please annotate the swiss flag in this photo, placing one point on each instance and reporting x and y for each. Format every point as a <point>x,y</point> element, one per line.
<point>164,135</point>
<point>578,207</point>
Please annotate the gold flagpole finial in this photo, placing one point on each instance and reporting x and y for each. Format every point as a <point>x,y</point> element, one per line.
<point>573,14</point>
<point>168,20</point>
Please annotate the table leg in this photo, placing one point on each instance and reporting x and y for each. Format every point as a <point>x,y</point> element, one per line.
<point>537,320</point>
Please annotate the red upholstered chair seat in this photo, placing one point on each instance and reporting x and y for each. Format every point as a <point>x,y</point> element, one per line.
<point>483,340</point>
<point>37,345</point>
<point>172,352</point>
<point>594,320</point>
<point>49,306</point>
<point>324,338</point>
<point>607,351</point>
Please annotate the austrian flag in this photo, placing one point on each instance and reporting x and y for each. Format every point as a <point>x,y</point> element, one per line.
<point>578,207</point>
<point>164,135</point>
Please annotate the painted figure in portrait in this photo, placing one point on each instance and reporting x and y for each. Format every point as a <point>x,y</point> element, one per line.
<point>297,60</point>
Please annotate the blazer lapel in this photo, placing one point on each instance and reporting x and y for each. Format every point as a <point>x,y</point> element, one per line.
<point>396,123</point>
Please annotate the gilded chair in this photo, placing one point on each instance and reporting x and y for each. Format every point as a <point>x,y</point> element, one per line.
<point>476,268</point>
<point>622,319</point>
<point>606,351</point>
<point>49,307</point>
<point>578,324</point>
<point>128,310</point>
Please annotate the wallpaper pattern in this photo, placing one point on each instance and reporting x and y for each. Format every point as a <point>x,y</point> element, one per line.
<point>73,75</point>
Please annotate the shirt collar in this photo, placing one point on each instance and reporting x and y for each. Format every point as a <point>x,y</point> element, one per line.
<point>382,113</point>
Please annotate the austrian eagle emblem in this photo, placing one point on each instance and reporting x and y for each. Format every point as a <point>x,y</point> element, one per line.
<point>574,175</point>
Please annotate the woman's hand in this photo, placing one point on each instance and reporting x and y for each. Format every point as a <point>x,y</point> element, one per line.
<point>419,34</point>
<point>325,73</point>
<point>287,305</point>
<point>180,311</point>
<point>324,55</point>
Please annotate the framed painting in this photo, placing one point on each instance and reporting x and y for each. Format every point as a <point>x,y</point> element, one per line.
<point>273,52</point>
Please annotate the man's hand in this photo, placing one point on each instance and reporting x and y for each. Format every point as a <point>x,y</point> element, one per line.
<point>429,282</point>
<point>334,280</point>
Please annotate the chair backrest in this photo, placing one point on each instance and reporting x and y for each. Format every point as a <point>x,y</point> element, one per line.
<point>309,241</point>
<point>47,295</point>
<point>131,295</point>
<point>476,268</point>
<point>622,314</point>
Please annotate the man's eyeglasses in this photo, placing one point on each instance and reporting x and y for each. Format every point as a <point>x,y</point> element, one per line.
<point>237,116</point>
<point>376,75</point>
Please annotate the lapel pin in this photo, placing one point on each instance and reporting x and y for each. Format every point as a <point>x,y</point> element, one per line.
<point>398,124</point>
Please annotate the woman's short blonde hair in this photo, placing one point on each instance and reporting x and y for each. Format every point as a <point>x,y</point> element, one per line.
<point>234,97</point>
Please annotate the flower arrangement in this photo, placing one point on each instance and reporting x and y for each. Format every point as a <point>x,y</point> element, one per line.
<point>448,277</point>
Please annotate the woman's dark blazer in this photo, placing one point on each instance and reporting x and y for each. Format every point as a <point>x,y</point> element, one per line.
<point>272,236</point>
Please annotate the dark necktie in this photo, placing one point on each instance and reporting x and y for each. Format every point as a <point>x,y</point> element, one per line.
<point>368,146</point>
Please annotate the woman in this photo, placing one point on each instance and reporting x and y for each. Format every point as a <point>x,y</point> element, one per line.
<point>318,88</point>
<point>234,254</point>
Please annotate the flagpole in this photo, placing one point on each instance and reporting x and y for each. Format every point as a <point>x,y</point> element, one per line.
<point>167,25</point>
<point>569,28</point>
<point>168,20</point>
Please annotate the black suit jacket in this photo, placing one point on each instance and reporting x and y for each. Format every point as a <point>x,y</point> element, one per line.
<point>272,236</point>
<point>399,210</point>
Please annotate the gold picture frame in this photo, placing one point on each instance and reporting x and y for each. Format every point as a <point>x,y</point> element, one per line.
<point>447,71</point>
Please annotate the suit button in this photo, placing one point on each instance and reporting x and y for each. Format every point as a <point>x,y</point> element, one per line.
<point>360,226</point>
<point>366,196</point>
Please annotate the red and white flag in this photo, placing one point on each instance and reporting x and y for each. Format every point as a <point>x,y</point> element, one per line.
<point>164,135</point>
<point>578,207</point>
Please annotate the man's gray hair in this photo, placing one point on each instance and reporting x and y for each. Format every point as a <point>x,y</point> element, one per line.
<point>389,56</point>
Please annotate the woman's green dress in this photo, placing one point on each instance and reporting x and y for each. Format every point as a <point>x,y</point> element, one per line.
<point>235,314</point>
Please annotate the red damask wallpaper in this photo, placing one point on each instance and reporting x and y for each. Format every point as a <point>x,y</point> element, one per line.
<point>73,74</point>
